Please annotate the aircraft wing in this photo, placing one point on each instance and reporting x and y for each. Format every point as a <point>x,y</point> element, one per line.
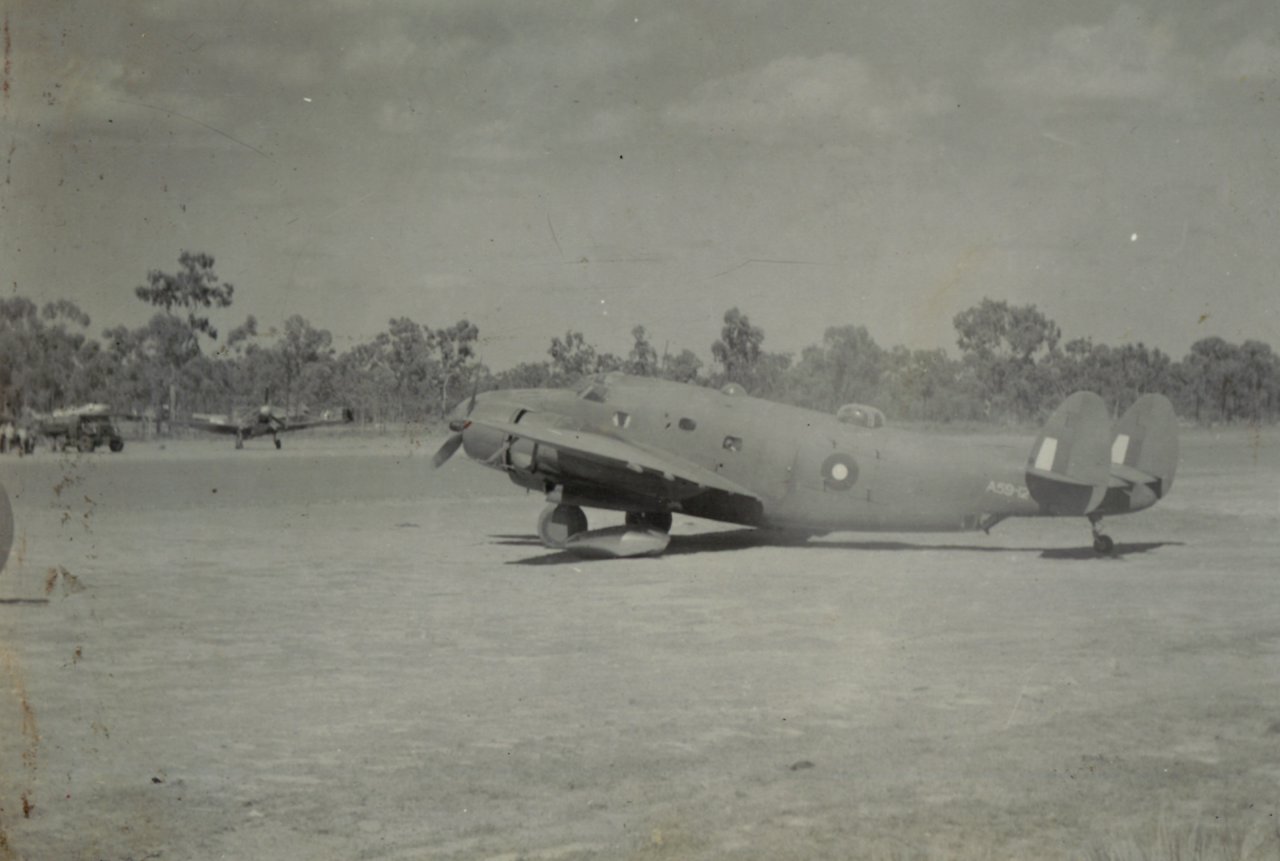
<point>347,418</point>
<point>594,446</point>
<point>212,424</point>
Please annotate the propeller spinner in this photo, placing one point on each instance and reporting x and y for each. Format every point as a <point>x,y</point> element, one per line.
<point>457,426</point>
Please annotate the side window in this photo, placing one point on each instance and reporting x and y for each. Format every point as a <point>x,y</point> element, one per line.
<point>687,424</point>
<point>621,419</point>
<point>733,443</point>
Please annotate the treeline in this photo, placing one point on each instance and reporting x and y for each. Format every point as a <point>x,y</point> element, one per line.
<point>1013,364</point>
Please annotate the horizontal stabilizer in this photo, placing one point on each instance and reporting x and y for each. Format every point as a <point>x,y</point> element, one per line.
<point>1069,467</point>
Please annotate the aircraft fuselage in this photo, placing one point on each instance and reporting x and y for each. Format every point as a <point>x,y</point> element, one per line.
<point>809,470</point>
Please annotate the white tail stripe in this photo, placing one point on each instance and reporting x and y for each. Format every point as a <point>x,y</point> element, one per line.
<point>1048,451</point>
<point>1119,448</point>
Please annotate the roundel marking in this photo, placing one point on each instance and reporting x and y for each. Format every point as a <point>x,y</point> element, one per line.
<point>839,472</point>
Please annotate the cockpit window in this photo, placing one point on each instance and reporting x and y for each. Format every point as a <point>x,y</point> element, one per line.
<point>594,390</point>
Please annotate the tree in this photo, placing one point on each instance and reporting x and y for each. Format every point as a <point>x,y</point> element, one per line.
<point>739,348</point>
<point>643,358</point>
<point>1259,380</point>
<point>194,287</point>
<point>1213,371</point>
<point>454,348</point>
<point>572,359</point>
<point>407,354</point>
<point>682,368</point>
<point>1009,352</point>
<point>301,347</point>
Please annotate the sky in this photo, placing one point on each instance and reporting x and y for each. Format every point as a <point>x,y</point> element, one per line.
<point>591,166</point>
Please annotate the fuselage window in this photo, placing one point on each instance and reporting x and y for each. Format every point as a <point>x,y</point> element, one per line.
<point>733,443</point>
<point>687,424</point>
<point>621,419</point>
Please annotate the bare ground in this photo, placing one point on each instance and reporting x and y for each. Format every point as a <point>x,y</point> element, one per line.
<point>332,652</point>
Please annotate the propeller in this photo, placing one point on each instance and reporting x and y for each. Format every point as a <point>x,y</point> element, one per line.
<point>457,426</point>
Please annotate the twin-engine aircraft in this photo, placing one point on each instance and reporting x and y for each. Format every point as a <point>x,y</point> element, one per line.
<point>652,448</point>
<point>264,421</point>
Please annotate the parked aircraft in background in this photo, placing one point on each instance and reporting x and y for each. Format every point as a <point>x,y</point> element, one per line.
<point>265,421</point>
<point>652,448</point>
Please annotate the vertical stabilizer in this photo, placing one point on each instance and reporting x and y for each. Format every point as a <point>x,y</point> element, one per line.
<point>1146,439</point>
<point>1069,467</point>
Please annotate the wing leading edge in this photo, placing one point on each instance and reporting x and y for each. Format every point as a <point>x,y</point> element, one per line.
<point>637,459</point>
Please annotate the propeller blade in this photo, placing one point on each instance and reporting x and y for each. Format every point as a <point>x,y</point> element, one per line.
<point>446,451</point>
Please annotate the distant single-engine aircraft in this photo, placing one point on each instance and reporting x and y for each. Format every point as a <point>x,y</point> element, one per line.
<point>652,448</point>
<point>264,421</point>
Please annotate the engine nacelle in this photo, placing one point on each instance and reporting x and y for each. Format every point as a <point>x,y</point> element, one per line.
<point>860,415</point>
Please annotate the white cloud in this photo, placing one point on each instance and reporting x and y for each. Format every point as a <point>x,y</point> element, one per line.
<point>803,96</point>
<point>1127,57</point>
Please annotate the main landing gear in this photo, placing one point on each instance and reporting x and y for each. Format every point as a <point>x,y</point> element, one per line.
<point>1102,544</point>
<point>564,527</point>
<point>558,523</point>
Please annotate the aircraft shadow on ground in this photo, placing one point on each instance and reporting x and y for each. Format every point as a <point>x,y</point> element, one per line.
<point>745,539</point>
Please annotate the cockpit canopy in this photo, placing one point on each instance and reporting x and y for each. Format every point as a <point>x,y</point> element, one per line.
<point>860,415</point>
<point>594,389</point>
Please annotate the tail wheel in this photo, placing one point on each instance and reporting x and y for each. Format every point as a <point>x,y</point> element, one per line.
<point>659,520</point>
<point>117,444</point>
<point>558,523</point>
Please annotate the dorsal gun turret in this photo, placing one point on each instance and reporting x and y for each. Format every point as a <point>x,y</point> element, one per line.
<point>860,415</point>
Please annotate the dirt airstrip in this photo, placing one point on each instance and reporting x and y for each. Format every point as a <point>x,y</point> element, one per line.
<point>330,651</point>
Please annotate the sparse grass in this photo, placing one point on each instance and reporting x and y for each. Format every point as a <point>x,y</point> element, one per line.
<point>1175,841</point>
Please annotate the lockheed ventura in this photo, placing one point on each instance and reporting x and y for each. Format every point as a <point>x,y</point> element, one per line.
<point>652,448</point>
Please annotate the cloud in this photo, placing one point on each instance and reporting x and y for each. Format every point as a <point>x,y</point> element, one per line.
<point>803,97</point>
<point>1128,57</point>
<point>1257,56</point>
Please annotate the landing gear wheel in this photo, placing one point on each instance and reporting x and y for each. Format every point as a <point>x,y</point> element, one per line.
<point>558,523</point>
<point>277,442</point>
<point>239,441</point>
<point>1102,544</point>
<point>117,445</point>
<point>659,520</point>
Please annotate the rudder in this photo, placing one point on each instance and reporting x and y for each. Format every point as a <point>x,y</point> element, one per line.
<point>1069,467</point>
<point>1146,439</point>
